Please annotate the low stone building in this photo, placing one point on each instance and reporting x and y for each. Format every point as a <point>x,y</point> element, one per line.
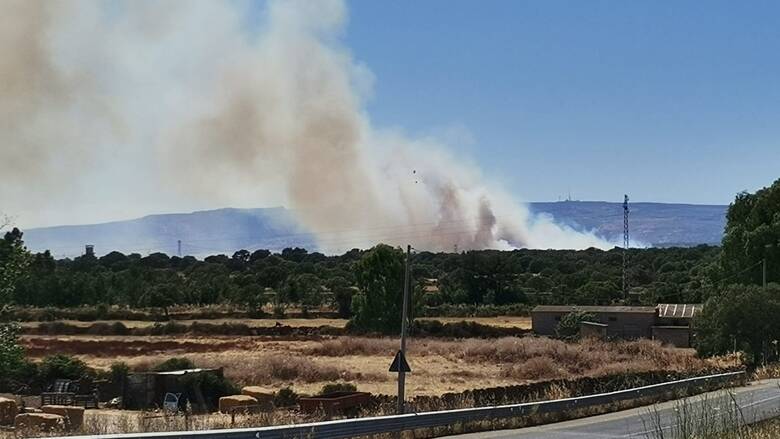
<point>621,321</point>
<point>669,323</point>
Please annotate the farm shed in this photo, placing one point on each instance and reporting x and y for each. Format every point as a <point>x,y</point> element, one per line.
<point>669,323</point>
<point>621,321</point>
<point>145,390</point>
<point>678,314</point>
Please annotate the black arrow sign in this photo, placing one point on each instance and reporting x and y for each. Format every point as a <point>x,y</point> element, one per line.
<point>400,364</point>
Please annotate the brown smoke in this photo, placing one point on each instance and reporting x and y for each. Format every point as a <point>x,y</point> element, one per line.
<point>197,109</point>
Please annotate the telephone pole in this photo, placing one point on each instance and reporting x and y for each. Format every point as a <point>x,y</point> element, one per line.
<point>764,272</point>
<point>179,247</point>
<point>404,317</point>
<point>625,246</point>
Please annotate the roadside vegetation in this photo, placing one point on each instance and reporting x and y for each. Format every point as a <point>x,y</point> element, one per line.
<point>439,365</point>
<point>709,417</point>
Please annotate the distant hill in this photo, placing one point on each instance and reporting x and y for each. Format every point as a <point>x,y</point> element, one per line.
<point>654,224</point>
<point>201,233</point>
<point>227,230</point>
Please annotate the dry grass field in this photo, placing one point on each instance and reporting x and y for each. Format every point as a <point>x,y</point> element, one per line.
<point>252,323</point>
<point>438,365</point>
<point>500,321</point>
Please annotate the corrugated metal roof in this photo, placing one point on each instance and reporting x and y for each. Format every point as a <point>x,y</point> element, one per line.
<point>600,309</point>
<point>179,372</point>
<point>679,310</point>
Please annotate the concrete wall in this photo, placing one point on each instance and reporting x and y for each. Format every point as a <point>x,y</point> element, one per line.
<point>628,325</point>
<point>593,330</point>
<point>619,325</point>
<point>678,336</point>
<point>544,323</point>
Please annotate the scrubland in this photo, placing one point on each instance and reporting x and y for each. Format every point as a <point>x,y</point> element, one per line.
<point>438,365</point>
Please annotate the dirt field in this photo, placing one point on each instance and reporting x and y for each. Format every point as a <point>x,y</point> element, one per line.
<point>438,366</point>
<point>253,323</point>
<point>501,321</point>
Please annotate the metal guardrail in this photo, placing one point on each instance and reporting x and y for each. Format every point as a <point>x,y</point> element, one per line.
<point>345,428</point>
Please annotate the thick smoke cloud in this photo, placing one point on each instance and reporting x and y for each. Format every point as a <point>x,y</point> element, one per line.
<point>142,105</point>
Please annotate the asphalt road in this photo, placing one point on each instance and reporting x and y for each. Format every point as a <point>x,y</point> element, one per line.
<point>758,401</point>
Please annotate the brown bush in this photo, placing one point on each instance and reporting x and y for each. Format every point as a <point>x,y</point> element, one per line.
<point>280,368</point>
<point>342,346</point>
<point>535,369</point>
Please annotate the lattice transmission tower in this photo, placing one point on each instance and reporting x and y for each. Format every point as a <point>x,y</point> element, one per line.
<point>625,246</point>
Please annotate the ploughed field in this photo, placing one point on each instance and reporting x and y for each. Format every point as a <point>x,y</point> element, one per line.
<point>438,365</point>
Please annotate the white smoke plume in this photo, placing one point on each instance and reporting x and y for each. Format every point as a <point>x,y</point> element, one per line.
<point>141,105</point>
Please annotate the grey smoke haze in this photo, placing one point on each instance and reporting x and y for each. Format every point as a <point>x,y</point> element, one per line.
<point>116,109</point>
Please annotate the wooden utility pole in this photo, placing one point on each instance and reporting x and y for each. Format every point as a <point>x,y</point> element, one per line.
<point>404,317</point>
<point>764,272</point>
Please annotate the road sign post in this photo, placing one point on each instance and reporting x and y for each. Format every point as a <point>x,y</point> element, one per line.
<point>401,356</point>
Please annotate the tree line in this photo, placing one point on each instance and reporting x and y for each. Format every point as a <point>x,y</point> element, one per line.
<point>309,280</point>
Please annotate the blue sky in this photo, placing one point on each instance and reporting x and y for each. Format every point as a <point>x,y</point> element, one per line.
<point>673,101</point>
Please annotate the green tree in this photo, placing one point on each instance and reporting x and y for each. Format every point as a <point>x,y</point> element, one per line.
<point>161,296</point>
<point>11,354</point>
<point>752,235</point>
<point>307,289</point>
<point>14,260</point>
<point>252,295</point>
<point>342,295</point>
<point>569,326</point>
<point>741,316</point>
<point>61,366</point>
<point>380,279</point>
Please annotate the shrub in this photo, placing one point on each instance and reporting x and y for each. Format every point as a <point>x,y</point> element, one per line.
<point>210,385</point>
<point>569,326</point>
<point>119,372</point>
<point>285,397</point>
<point>462,329</point>
<point>535,369</point>
<point>279,310</point>
<point>175,363</point>
<point>58,328</point>
<point>343,346</point>
<point>337,388</point>
<point>11,353</point>
<point>118,328</point>
<point>464,310</point>
<point>168,328</point>
<point>102,328</point>
<point>198,328</point>
<point>63,367</point>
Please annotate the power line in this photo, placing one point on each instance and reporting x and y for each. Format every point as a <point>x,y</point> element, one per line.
<point>739,273</point>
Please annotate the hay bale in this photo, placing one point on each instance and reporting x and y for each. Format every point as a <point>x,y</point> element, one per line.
<point>74,416</point>
<point>230,403</point>
<point>8,411</point>
<point>264,396</point>
<point>43,422</point>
